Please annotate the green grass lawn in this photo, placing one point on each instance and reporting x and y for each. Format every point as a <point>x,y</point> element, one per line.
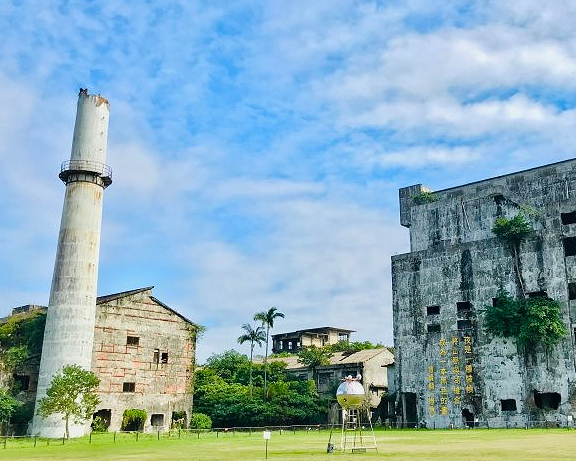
<point>397,445</point>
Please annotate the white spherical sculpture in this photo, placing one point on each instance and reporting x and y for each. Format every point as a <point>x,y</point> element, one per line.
<point>350,394</point>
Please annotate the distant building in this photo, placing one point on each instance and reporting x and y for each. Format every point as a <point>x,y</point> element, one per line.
<point>319,337</point>
<point>143,355</point>
<point>373,364</point>
<point>450,370</point>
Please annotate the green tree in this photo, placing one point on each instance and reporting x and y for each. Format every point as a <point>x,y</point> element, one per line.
<point>267,318</point>
<point>313,357</point>
<point>230,365</point>
<point>254,336</point>
<point>8,406</point>
<point>352,346</point>
<point>513,231</point>
<point>72,393</point>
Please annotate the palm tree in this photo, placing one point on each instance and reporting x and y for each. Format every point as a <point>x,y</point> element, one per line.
<point>255,336</point>
<point>267,318</point>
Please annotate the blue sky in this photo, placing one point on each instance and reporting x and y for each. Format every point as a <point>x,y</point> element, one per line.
<point>258,147</point>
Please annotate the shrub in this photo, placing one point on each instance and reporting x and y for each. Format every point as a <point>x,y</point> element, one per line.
<point>200,421</point>
<point>179,419</point>
<point>513,230</point>
<point>133,419</point>
<point>424,197</point>
<point>99,424</point>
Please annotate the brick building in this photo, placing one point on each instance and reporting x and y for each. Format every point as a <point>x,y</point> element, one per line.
<point>143,355</point>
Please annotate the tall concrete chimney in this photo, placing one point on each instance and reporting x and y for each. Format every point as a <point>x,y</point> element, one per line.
<point>69,333</point>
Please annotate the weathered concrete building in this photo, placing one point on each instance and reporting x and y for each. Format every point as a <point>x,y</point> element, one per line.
<point>373,364</point>
<point>143,354</point>
<point>293,341</point>
<point>449,369</point>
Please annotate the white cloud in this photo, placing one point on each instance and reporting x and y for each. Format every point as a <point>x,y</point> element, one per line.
<point>257,148</point>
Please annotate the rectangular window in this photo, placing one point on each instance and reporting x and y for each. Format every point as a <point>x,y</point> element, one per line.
<point>128,387</point>
<point>432,310</point>
<point>164,358</point>
<point>157,419</point>
<point>537,294</point>
<point>464,325</point>
<point>156,358</point>
<point>568,218</point>
<point>572,290</point>
<point>132,340</point>
<point>463,306</point>
<point>569,246</point>
<point>433,328</point>
<point>22,382</point>
<point>508,404</point>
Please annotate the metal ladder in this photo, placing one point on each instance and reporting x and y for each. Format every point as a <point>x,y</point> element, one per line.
<point>357,431</point>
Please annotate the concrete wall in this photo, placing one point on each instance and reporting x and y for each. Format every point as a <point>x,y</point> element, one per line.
<point>69,329</point>
<point>455,258</point>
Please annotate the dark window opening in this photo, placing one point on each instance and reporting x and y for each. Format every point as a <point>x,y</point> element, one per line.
<point>156,358</point>
<point>164,358</point>
<point>538,294</point>
<point>569,246</point>
<point>463,306</point>
<point>128,387</point>
<point>179,419</point>
<point>568,218</point>
<point>434,328</point>
<point>468,417</point>
<point>508,404</point>
<point>411,400</point>
<point>132,340</point>
<point>464,325</point>
<point>432,310</point>
<point>496,302</point>
<point>572,291</point>
<point>105,416</point>
<point>547,400</point>
<point>157,419</point>
<point>22,382</point>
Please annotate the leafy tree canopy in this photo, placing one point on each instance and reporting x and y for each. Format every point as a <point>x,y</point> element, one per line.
<point>352,346</point>
<point>8,405</point>
<point>72,394</point>
<point>512,230</point>
<point>223,393</point>
<point>313,356</point>
<point>529,320</point>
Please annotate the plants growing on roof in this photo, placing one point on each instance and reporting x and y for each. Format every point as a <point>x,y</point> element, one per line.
<point>424,197</point>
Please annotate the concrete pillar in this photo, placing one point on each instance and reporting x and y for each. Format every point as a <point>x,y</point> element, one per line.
<point>69,333</point>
